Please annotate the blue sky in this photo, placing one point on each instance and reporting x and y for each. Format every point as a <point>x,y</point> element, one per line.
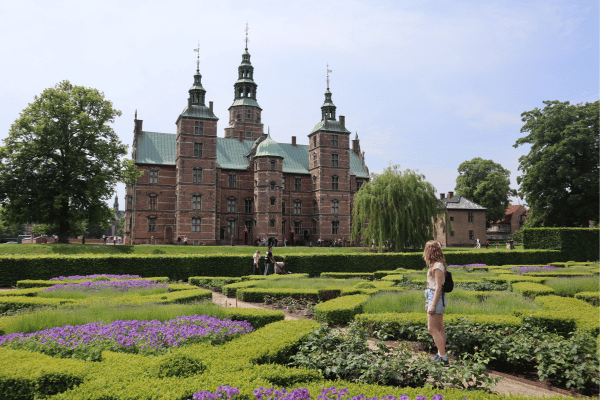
<point>426,84</point>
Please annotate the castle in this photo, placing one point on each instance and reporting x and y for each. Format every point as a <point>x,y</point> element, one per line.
<point>243,186</point>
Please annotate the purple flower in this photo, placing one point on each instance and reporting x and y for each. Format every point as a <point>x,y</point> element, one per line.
<point>74,277</point>
<point>439,397</point>
<point>91,286</point>
<point>532,268</point>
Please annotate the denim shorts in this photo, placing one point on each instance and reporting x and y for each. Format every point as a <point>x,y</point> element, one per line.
<point>441,304</point>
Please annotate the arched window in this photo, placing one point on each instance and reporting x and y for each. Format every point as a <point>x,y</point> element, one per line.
<point>334,182</point>
<point>197,175</point>
<point>152,201</point>
<point>196,224</point>
<point>196,202</point>
<point>335,206</point>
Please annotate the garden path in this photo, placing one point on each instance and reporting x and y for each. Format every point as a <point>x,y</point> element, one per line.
<point>508,384</point>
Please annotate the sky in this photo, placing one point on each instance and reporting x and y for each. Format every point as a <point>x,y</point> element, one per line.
<point>425,84</point>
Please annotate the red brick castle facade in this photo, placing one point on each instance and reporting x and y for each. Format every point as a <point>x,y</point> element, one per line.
<point>236,188</point>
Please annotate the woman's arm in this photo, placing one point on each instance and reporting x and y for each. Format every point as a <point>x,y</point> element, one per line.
<point>439,283</point>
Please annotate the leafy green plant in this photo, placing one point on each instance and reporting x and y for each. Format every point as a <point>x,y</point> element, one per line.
<point>178,365</point>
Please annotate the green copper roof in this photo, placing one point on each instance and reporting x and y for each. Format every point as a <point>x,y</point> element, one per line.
<point>332,125</point>
<point>231,153</point>
<point>268,147</point>
<point>160,148</point>
<point>197,111</point>
<point>156,148</point>
<point>245,102</point>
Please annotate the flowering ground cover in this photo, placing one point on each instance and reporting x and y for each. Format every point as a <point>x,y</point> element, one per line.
<point>532,268</point>
<point>144,337</point>
<point>95,276</point>
<point>94,286</point>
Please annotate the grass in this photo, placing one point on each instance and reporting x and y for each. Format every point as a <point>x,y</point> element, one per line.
<point>571,286</point>
<point>459,302</point>
<point>71,249</point>
<point>49,318</point>
<point>106,293</point>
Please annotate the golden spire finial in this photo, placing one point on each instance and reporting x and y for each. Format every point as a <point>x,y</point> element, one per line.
<point>197,50</point>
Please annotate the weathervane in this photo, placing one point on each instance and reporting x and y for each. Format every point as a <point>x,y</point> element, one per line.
<point>328,71</point>
<point>197,50</point>
<point>246,36</point>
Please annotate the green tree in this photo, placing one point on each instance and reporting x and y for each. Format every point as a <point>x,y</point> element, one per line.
<point>62,159</point>
<point>396,206</point>
<point>560,172</point>
<point>487,184</point>
<point>7,229</point>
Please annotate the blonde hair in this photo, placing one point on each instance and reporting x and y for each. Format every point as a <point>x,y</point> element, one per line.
<point>433,254</point>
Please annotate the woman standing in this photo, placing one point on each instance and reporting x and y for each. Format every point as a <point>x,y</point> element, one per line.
<point>436,302</point>
<point>255,265</point>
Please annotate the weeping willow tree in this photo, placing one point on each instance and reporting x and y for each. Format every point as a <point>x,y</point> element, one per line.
<point>397,208</point>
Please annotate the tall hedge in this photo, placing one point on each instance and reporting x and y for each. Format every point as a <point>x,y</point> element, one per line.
<point>576,244</point>
<point>181,267</point>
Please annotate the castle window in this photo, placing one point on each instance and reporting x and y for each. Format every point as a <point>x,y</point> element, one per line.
<point>248,206</point>
<point>451,218</point>
<point>334,182</point>
<point>315,141</point>
<point>197,149</point>
<point>314,223</point>
<point>297,207</point>
<point>196,224</point>
<point>334,140</point>
<point>231,205</point>
<point>232,178</point>
<point>451,233</point>
<point>151,224</point>
<point>198,127</point>
<point>272,201</point>
<point>297,227</point>
<point>335,227</point>
<point>248,225</point>
<point>471,235</point>
<point>283,184</point>
<point>153,176</point>
<point>297,184</point>
<point>283,227</point>
<point>335,206</point>
<point>248,135</point>
<point>358,185</point>
<point>283,207</point>
<point>152,202</point>
<point>314,160</point>
<point>314,182</point>
<point>470,217</point>
<point>129,203</point>
<point>273,165</point>
<point>272,223</point>
<point>238,116</point>
<point>197,175</point>
<point>196,202</point>
<point>315,208</point>
<point>334,160</point>
<point>272,185</point>
<point>231,226</point>
<point>249,114</point>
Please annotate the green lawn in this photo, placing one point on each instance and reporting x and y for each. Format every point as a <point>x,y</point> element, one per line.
<point>65,249</point>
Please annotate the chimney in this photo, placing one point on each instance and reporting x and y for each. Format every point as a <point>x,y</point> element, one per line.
<point>343,122</point>
<point>138,126</point>
<point>210,106</point>
<point>442,196</point>
<point>241,136</point>
<point>293,140</point>
<point>450,194</point>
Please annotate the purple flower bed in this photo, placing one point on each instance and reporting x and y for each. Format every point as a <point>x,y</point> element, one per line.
<point>133,336</point>
<point>73,277</point>
<point>91,286</point>
<point>532,268</point>
<point>455,266</point>
<point>227,392</point>
<point>475,265</point>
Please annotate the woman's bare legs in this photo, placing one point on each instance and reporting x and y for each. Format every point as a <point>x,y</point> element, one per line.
<point>435,326</point>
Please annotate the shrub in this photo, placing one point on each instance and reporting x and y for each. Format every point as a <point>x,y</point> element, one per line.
<point>177,365</point>
<point>576,244</point>
<point>591,297</point>
<point>531,289</point>
<point>341,310</point>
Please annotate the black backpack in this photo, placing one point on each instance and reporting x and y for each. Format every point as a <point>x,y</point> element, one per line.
<point>448,283</point>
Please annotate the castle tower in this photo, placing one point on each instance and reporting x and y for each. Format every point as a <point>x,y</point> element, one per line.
<point>268,178</point>
<point>329,165</point>
<point>245,113</point>
<point>196,155</point>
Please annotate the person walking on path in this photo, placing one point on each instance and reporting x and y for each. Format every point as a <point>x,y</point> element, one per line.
<point>256,263</point>
<point>268,260</point>
<point>436,302</point>
<point>478,244</point>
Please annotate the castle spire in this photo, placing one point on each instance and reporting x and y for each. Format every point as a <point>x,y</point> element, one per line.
<point>197,92</point>
<point>245,87</point>
<point>328,108</point>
